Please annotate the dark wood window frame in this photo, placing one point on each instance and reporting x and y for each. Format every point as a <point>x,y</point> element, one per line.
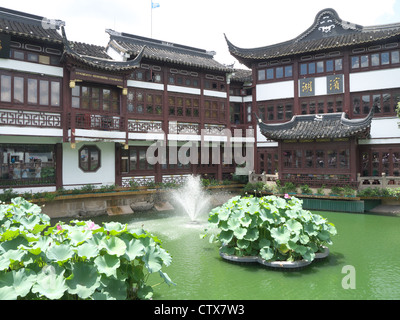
<point>184,107</point>
<point>319,155</point>
<point>134,162</point>
<point>183,78</point>
<point>276,110</point>
<point>52,98</point>
<point>95,98</point>
<point>274,73</point>
<point>383,101</point>
<point>331,65</point>
<point>35,57</point>
<point>145,104</point>
<point>322,104</point>
<point>366,60</point>
<point>215,110</point>
<point>148,73</point>
<point>32,169</point>
<point>378,159</point>
<point>89,149</point>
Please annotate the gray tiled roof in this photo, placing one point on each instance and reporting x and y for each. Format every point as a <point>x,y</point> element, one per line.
<point>162,51</point>
<point>242,75</point>
<point>338,34</point>
<point>29,26</point>
<point>323,126</point>
<point>95,57</point>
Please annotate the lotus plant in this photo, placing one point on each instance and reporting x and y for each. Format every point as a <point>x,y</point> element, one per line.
<point>273,228</point>
<point>80,260</point>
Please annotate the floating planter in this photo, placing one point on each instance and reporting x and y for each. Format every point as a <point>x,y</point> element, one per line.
<point>275,264</point>
<point>273,231</point>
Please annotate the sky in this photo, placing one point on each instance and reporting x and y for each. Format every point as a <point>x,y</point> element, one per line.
<point>203,23</point>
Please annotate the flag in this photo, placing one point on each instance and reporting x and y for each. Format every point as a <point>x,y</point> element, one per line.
<point>154,5</point>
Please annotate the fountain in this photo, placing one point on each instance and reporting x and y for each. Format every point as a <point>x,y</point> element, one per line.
<point>192,198</point>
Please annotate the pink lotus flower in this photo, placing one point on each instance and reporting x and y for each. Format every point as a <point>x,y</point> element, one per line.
<point>287,196</point>
<point>90,225</point>
<point>59,228</point>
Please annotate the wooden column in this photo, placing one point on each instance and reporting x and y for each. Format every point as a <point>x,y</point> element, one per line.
<point>59,165</point>
<point>346,78</point>
<point>296,104</point>
<point>353,159</point>
<point>118,176</point>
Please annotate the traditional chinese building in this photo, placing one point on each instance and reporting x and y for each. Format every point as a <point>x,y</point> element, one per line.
<point>327,101</point>
<point>73,114</point>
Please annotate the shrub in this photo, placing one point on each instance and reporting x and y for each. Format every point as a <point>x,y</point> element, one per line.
<point>273,228</point>
<point>7,195</point>
<point>321,190</point>
<point>348,191</point>
<point>79,260</point>
<point>305,189</point>
<point>254,187</point>
<point>335,190</point>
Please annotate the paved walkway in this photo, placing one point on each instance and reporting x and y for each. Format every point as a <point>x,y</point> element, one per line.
<point>387,209</point>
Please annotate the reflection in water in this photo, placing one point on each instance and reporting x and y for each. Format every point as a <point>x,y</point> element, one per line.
<point>367,242</point>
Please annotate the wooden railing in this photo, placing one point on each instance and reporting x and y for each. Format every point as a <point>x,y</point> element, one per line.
<point>23,118</point>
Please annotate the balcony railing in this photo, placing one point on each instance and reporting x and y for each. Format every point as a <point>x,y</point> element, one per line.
<point>383,181</point>
<point>22,118</point>
<point>96,122</point>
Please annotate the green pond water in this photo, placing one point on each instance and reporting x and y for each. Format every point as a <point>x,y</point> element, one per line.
<point>369,243</point>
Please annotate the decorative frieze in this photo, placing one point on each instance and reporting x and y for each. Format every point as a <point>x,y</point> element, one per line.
<point>30,118</point>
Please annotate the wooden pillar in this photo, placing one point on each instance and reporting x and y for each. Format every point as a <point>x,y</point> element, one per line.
<point>59,165</point>
<point>124,110</point>
<point>66,104</point>
<point>347,96</point>
<point>280,163</point>
<point>353,159</point>
<point>118,156</point>
<point>296,104</point>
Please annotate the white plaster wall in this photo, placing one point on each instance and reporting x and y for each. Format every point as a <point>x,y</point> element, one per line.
<point>272,91</point>
<point>180,89</point>
<point>383,131</point>
<point>374,80</point>
<point>145,85</point>
<point>31,67</point>
<point>216,94</point>
<point>73,175</point>
<point>30,131</point>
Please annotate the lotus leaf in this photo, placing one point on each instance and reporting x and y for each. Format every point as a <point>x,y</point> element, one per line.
<point>271,227</point>
<point>60,253</point>
<point>267,253</point>
<point>84,280</point>
<point>50,283</point>
<point>152,260</point>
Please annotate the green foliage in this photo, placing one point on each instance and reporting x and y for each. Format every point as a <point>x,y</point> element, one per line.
<point>79,260</point>
<point>288,187</point>
<point>305,189</point>
<point>379,192</point>
<point>338,191</point>
<point>254,187</point>
<point>270,227</point>
<point>7,195</point>
<point>321,190</point>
